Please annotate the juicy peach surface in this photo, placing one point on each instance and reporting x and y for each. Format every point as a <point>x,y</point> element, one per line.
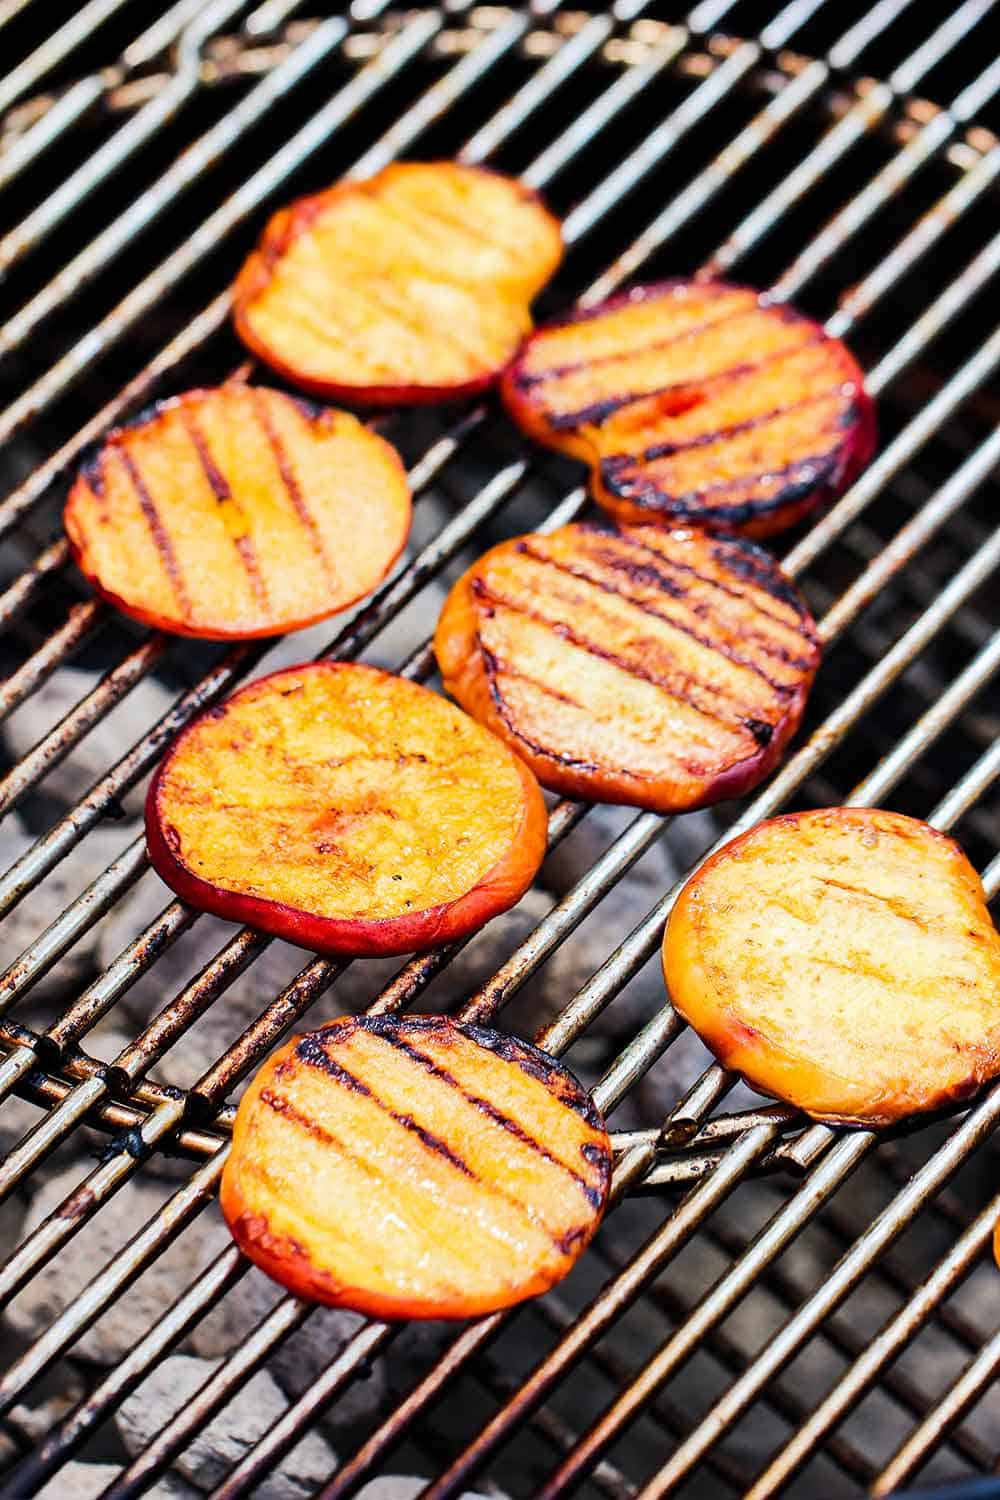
<point>842,960</point>
<point>409,1167</point>
<point>346,810</point>
<point>664,669</point>
<point>697,402</point>
<point>414,285</point>
<point>238,512</point>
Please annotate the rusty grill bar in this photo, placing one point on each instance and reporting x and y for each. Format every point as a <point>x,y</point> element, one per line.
<point>750,141</point>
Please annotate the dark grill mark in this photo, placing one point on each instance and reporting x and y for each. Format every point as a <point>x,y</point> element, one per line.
<point>723,434</point>
<point>734,555</point>
<point>593,361</point>
<point>312,1051</point>
<point>805,476</point>
<point>636,669</point>
<point>653,575</point>
<point>493,668</point>
<point>218,483</point>
<point>158,532</point>
<point>486,1107</point>
<point>434,1143</point>
<point>597,412</point>
<point>292,486</point>
<point>220,487</point>
<point>284,1107</point>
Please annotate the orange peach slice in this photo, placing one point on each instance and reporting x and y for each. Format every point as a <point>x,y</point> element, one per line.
<point>409,1167</point>
<point>697,402</point>
<point>665,669</point>
<point>413,286</point>
<point>238,512</point>
<point>844,961</point>
<point>346,810</point>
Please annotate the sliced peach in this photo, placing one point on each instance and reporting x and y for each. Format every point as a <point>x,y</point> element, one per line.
<point>697,402</point>
<point>346,810</point>
<point>844,961</point>
<point>238,512</point>
<point>413,286</point>
<point>409,1167</point>
<point>666,669</point>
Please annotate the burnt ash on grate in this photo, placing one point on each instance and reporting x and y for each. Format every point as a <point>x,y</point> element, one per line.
<point>719,1337</point>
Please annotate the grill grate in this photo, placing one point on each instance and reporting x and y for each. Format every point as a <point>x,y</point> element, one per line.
<point>746,1320</point>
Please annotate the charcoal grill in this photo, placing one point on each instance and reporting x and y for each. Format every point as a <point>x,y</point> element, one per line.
<point>773,1306</point>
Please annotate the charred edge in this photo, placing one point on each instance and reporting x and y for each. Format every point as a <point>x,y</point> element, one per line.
<point>484,1106</point>
<point>635,669</point>
<point>596,1155</point>
<point>221,489</point>
<point>816,474</point>
<point>537,1065</point>
<point>568,1242</point>
<point>91,471</point>
<point>758,567</point>
<point>388,1027</point>
<point>763,733</point>
<point>157,530</point>
<point>613,305</point>
<point>288,477</point>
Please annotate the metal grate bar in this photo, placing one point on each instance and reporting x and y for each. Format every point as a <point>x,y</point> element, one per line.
<point>188,24</point>
<point>58,47</point>
<point>885,1346</point>
<point>845,1339</point>
<point>924,1439</point>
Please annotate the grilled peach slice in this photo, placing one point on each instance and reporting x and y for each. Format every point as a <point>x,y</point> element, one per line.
<point>346,810</point>
<point>665,669</point>
<point>697,402</point>
<point>843,960</point>
<point>410,1167</point>
<point>238,512</point>
<point>413,286</point>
